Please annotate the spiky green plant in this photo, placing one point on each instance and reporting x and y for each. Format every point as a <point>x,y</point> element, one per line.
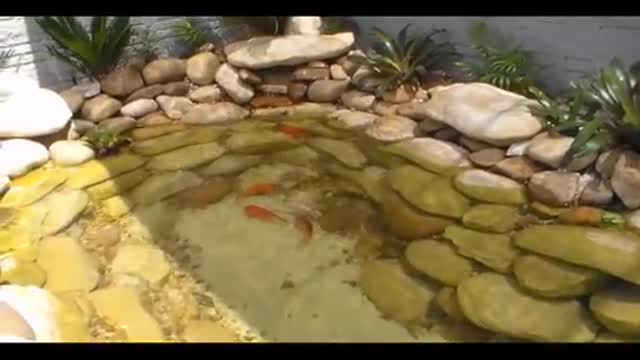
<point>95,52</point>
<point>4,57</point>
<point>105,142</point>
<point>507,67</point>
<point>396,62</point>
<point>147,44</point>
<point>192,32</point>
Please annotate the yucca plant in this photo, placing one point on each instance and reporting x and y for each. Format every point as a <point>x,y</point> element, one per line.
<point>399,61</point>
<point>94,53</point>
<point>4,57</point>
<point>105,142</point>
<point>509,68</point>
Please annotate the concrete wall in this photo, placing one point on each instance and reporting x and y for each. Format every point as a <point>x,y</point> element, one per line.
<point>31,58</point>
<point>568,47</point>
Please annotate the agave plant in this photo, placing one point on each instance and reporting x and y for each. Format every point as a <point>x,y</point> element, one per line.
<point>104,142</point>
<point>509,68</point>
<point>4,57</point>
<point>95,52</point>
<point>399,61</point>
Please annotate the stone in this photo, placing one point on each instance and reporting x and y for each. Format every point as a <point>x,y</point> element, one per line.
<point>385,108</point>
<point>551,150</point>
<point>347,119</point>
<point>439,261</point>
<point>122,82</point>
<point>206,94</point>
<point>611,251</point>
<point>156,118</point>
<point>518,168</point>
<point>303,25</point>
<point>473,145</point>
<point>303,109</point>
<point>210,191</point>
<point>201,68</point>
<point>483,112</point>
<point>519,148</point>
<point>428,192</point>
<point>17,271</point>
<point>140,134</point>
<point>176,88</point>
<point>392,128</point>
<point>493,250</point>
<point>395,294</point>
<point>18,156</point>
<point>426,127</point>
<point>218,113</point>
<point>447,300</point>
<point>337,72</point>
<point>491,218</point>
<point>445,134</point>
<point>606,162</point>
<point>5,183</point>
<point>326,90</point>
<point>118,125</point>
<point>625,180</point>
<point>68,266</point>
<point>414,110</point>
<point>267,101</point>
<point>227,77</point>
<point>117,185</point>
<point>99,108</point>
<point>175,107</point>
<point>144,261</point>
<point>267,51</point>
<point>95,171</point>
<point>618,309</point>
<point>164,70</point>
<point>313,127</point>
<point>301,156</point>
<point>487,157</point>
<point>408,222</point>
<point>402,94</point>
<point>74,100</point>
<point>349,66</point>
<point>79,128</point>
<point>431,154</point>
<point>297,91</point>
<point>88,89</point>
<point>205,331</point>
<point>259,141</point>
<point>364,79</point>
<point>249,77</point>
<point>596,192</point>
<point>311,74</point>
<point>70,152</point>
<point>357,100</point>
<point>139,108</point>
<point>484,298</point>
<point>64,208</point>
<point>369,179</point>
<point>231,163</point>
<point>122,306</point>
<point>274,89</point>
<point>344,151</point>
<point>554,188</point>
<point>551,278</point>
<point>31,111</point>
<point>187,157</point>
<point>163,185</point>
<point>485,186</point>
<point>33,186</point>
<point>147,92</point>
<point>175,140</point>
<point>117,206</point>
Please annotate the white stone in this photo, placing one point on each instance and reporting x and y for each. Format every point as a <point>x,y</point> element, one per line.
<point>483,112</point>
<point>17,156</point>
<point>70,152</point>
<point>78,128</point>
<point>518,149</point>
<point>303,25</point>
<point>37,307</point>
<point>139,108</point>
<point>5,182</point>
<point>268,51</point>
<point>229,79</point>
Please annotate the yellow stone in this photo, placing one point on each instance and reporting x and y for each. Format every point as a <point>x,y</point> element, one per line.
<point>117,206</point>
<point>121,307</point>
<point>64,208</point>
<point>118,185</point>
<point>33,186</point>
<point>193,136</point>
<point>205,331</point>
<point>72,320</point>
<point>95,171</point>
<point>187,157</point>
<point>144,261</point>
<point>24,231</point>
<point>17,271</point>
<point>68,266</point>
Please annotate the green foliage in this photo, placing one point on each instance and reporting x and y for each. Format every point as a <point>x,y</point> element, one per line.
<point>95,52</point>
<point>504,66</point>
<point>4,57</point>
<point>105,142</point>
<point>399,61</point>
<point>192,32</point>
<point>147,44</point>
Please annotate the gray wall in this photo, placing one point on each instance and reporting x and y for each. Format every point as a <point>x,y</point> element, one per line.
<point>568,47</point>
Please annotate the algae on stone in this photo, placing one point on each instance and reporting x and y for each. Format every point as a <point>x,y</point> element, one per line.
<point>117,185</point>
<point>618,309</point>
<point>33,186</point>
<point>118,205</point>
<point>551,278</point>
<point>612,251</point>
<point>491,218</point>
<point>64,208</point>
<point>369,179</point>
<point>447,300</point>
<point>301,156</point>
<point>408,222</point>
<point>68,266</point>
<point>163,185</point>
<point>495,302</point>
<point>231,163</point>
<point>493,250</point>
<point>344,151</point>
<point>95,171</point>
<point>192,136</point>
<point>315,127</point>
<point>431,154</point>
<point>144,261</point>
<point>485,186</point>
<point>187,157</point>
<point>439,261</point>
<point>257,142</point>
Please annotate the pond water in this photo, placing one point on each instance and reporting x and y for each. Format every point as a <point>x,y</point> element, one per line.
<point>303,229</point>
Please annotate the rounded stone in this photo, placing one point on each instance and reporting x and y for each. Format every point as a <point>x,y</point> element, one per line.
<point>70,152</point>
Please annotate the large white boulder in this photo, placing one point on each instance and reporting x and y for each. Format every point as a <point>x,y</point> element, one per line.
<point>18,156</point>
<point>303,25</point>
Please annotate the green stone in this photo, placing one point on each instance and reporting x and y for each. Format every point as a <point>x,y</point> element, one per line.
<point>369,179</point>
<point>545,211</point>
<point>314,127</point>
<point>493,250</point>
<point>163,185</point>
<point>257,142</point>
<point>231,163</point>
<point>485,186</point>
<point>618,309</point>
<point>431,154</point>
<point>95,171</point>
<point>187,157</point>
<point>117,185</point>
<point>300,156</point>
<point>193,136</point>
<point>491,218</point>
<point>344,151</point>
<point>439,261</point>
<point>408,222</point>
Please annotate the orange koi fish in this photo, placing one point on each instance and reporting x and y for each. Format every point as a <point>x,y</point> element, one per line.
<point>294,131</point>
<point>305,226</point>
<point>258,189</point>
<point>260,213</point>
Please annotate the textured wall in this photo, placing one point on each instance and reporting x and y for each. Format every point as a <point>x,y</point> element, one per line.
<point>30,57</point>
<point>568,47</point>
